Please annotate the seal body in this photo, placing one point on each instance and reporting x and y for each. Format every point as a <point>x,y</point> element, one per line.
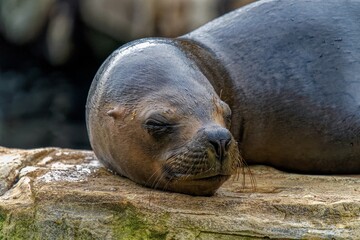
<point>295,73</point>
<point>277,81</point>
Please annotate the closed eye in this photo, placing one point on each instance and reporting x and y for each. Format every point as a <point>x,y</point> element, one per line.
<point>158,128</point>
<point>153,123</point>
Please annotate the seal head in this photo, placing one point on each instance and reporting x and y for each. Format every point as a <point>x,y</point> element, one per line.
<point>153,116</point>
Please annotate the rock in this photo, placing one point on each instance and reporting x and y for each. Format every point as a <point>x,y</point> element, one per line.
<point>23,20</point>
<point>118,18</point>
<point>54,193</point>
<point>131,19</point>
<point>59,34</point>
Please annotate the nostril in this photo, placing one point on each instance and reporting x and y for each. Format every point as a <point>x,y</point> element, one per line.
<point>219,138</point>
<point>217,146</point>
<point>225,143</point>
<point>220,147</point>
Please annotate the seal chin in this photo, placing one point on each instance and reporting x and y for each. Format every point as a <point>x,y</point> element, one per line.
<point>196,176</point>
<point>198,187</point>
<point>207,177</point>
<point>215,178</point>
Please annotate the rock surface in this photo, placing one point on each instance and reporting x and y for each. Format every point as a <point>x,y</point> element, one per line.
<point>54,193</point>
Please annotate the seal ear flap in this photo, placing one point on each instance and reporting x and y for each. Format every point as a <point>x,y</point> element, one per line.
<point>117,112</point>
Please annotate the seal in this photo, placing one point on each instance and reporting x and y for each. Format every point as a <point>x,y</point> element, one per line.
<point>275,82</point>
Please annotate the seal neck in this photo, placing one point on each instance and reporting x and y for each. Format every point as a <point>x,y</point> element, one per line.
<point>210,66</point>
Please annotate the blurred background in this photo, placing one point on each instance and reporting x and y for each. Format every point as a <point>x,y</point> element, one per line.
<point>50,51</point>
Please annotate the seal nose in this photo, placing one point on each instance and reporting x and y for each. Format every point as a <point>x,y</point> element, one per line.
<point>220,139</point>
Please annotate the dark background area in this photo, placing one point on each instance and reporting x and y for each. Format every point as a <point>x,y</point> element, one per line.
<point>51,49</point>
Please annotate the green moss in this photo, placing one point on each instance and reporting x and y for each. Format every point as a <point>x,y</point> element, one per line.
<point>18,225</point>
<point>131,225</point>
<point>113,221</point>
<point>2,220</point>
